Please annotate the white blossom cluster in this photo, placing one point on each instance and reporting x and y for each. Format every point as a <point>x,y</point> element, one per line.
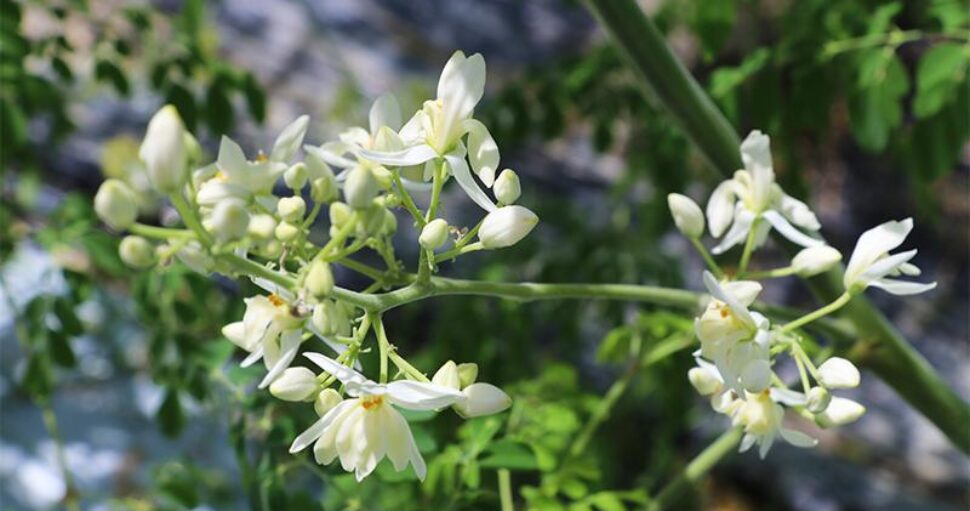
<point>739,346</point>
<point>234,213</point>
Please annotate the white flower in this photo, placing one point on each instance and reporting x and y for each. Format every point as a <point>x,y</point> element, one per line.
<point>228,220</point>
<point>507,187</point>
<point>838,373</point>
<point>839,412</point>
<point>761,418</point>
<point>687,215</point>
<point>751,194</point>
<point>814,260</point>
<point>506,226</point>
<point>367,427</point>
<point>871,261</point>
<point>270,331</point>
<point>164,150</point>
<point>438,130</point>
<point>295,384</point>
<point>480,399</point>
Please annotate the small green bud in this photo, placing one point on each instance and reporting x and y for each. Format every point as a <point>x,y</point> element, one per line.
<point>818,399</point>
<point>295,177</point>
<point>323,189</point>
<point>286,231</point>
<point>360,188</point>
<point>319,279</point>
<point>272,249</point>
<point>507,188</point>
<point>447,376</point>
<point>390,223</point>
<point>295,384</point>
<point>136,252</point>
<point>371,221</point>
<point>115,203</point>
<point>291,209</point>
<point>163,150</point>
<point>506,226</point>
<point>434,234</point>
<point>262,226</point>
<point>229,220</point>
<point>325,401</point>
<point>324,316</point>
<point>467,373</point>
<point>340,214</point>
<point>687,215</point>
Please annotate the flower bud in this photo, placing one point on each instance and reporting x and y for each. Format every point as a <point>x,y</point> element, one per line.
<point>372,220</point>
<point>324,317</point>
<point>193,256</point>
<point>704,381</point>
<point>506,226</point>
<point>434,234</point>
<point>818,399</point>
<point>229,220</point>
<point>342,318</point>
<point>482,399</point>
<point>339,214</point>
<point>687,215</point>
<point>319,279</point>
<point>389,226</point>
<point>115,203</point>
<point>447,376</point>
<point>323,189</point>
<point>467,373</point>
<point>262,226</point>
<point>136,252</point>
<point>163,151</point>
<point>839,412</point>
<point>360,188</point>
<point>295,177</point>
<point>325,401</point>
<point>838,373</point>
<point>286,231</point>
<point>295,384</point>
<point>271,250</point>
<point>756,376</point>
<point>506,187</point>
<point>291,209</point>
<point>193,151</point>
<point>814,260</point>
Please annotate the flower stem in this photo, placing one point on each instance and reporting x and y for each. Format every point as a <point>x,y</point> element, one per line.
<point>437,183</point>
<point>711,263</point>
<point>748,247</point>
<point>457,251</point>
<point>771,274</point>
<point>818,313</point>
<point>188,216</point>
<point>408,201</point>
<point>700,465</point>
<point>505,489</point>
<point>161,233</point>
<point>383,344</point>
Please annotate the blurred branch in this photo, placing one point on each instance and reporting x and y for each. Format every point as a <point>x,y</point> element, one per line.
<point>881,348</point>
<point>700,465</point>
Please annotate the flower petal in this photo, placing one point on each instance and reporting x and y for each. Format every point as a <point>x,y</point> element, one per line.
<point>253,357</point>
<point>899,287</point>
<point>464,177</point>
<point>714,287</point>
<point>738,232</point>
<point>797,438</point>
<point>720,208</point>
<point>886,265</point>
<point>787,230</point>
<point>415,395</point>
<point>874,243</point>
<point>290,139</point>
<point>343,373</point>
<point>410,156</point>
<point>318,427</point>
<point>385,112</point>
<point>289,345</point>
<point>482,151</point>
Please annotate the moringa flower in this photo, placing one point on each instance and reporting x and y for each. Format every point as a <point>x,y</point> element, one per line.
<point>761,417</point>
<point>753,194</point>
<point>269,330</point>
<point>367,427</point>
<point>871,261</point>
<point>164,150</point>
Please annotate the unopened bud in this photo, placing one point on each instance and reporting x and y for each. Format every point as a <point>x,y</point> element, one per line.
<point>340,214</point>
<point>704,381</point>
<point>291,209</point>
<point>838,373</point>
<point>839,412</point>
<point>325,401</point>
<point>229,220</point>
<point>814,260</point>
<point>818,399</point>
<point>323,189</point>
<point>447,376</point>
<point>295,384</point>
<point>262,226</point>
<point>319,279</point>
<point>360,188</point>
<point>196,258</point>
<point>482,399</point>
<point>163,151</point>
<point>295,177</point>
<point>116,204</point>
<point>467,373</point>
<point>506,226</point>
<point>286,231</point>
<point>687,215</point>
<point>507,188</point>
<point>324,317</point>
<point>434,234</point>
<point>136,252</point>
<point>372,220</point>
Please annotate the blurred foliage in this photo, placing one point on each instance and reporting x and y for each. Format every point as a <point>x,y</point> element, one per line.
<point>589,429</point>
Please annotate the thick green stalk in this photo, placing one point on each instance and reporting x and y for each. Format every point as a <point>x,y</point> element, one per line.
<point>700,465</point>
<point>881,348</point>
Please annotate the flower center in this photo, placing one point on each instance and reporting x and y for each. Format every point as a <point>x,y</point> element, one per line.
<point>371,402</point>
<point>261,157</point>
<point>276,300</point>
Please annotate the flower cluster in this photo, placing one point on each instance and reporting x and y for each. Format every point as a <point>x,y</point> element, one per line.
<point>240,221</point>
<point>739,346</point>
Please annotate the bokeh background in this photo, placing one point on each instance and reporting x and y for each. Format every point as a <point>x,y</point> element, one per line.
<point>867,106</point>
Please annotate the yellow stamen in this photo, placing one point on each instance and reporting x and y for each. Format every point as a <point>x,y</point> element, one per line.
<point>371,402</point>
<point>276,300</point>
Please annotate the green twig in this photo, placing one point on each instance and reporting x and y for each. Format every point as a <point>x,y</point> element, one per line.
<point>695,470</point>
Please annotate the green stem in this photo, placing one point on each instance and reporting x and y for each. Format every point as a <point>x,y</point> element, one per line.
<point>457,251</point>
<point>818,313</point>
<point>881,347</point>
<point>188,216</point>
<point>383,344</point>
<point>361,268</point>
<point>711,263</point>
<point>505,489</point>
<point>437,183</point>
<point>771,274</point>
<point>748,247</point>
<point>603,408</point>
<point>162,233</point>
<point>700,465</point>
<point>408,201</point>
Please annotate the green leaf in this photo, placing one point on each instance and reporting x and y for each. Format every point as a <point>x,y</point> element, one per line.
<point>38,379</point>
<point>218,108</point>
<point>941,70</point>
<point>255,97</point>
<point>107,72</point>
<point>876,107</point>
<point>183,101</point>
<point>170,416</point>
<point>606,501</point>
<point>881,18</point>
<point>64,310</point>
<point>60,349</point>
<point>511,455</point>
<point>714,21</point>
